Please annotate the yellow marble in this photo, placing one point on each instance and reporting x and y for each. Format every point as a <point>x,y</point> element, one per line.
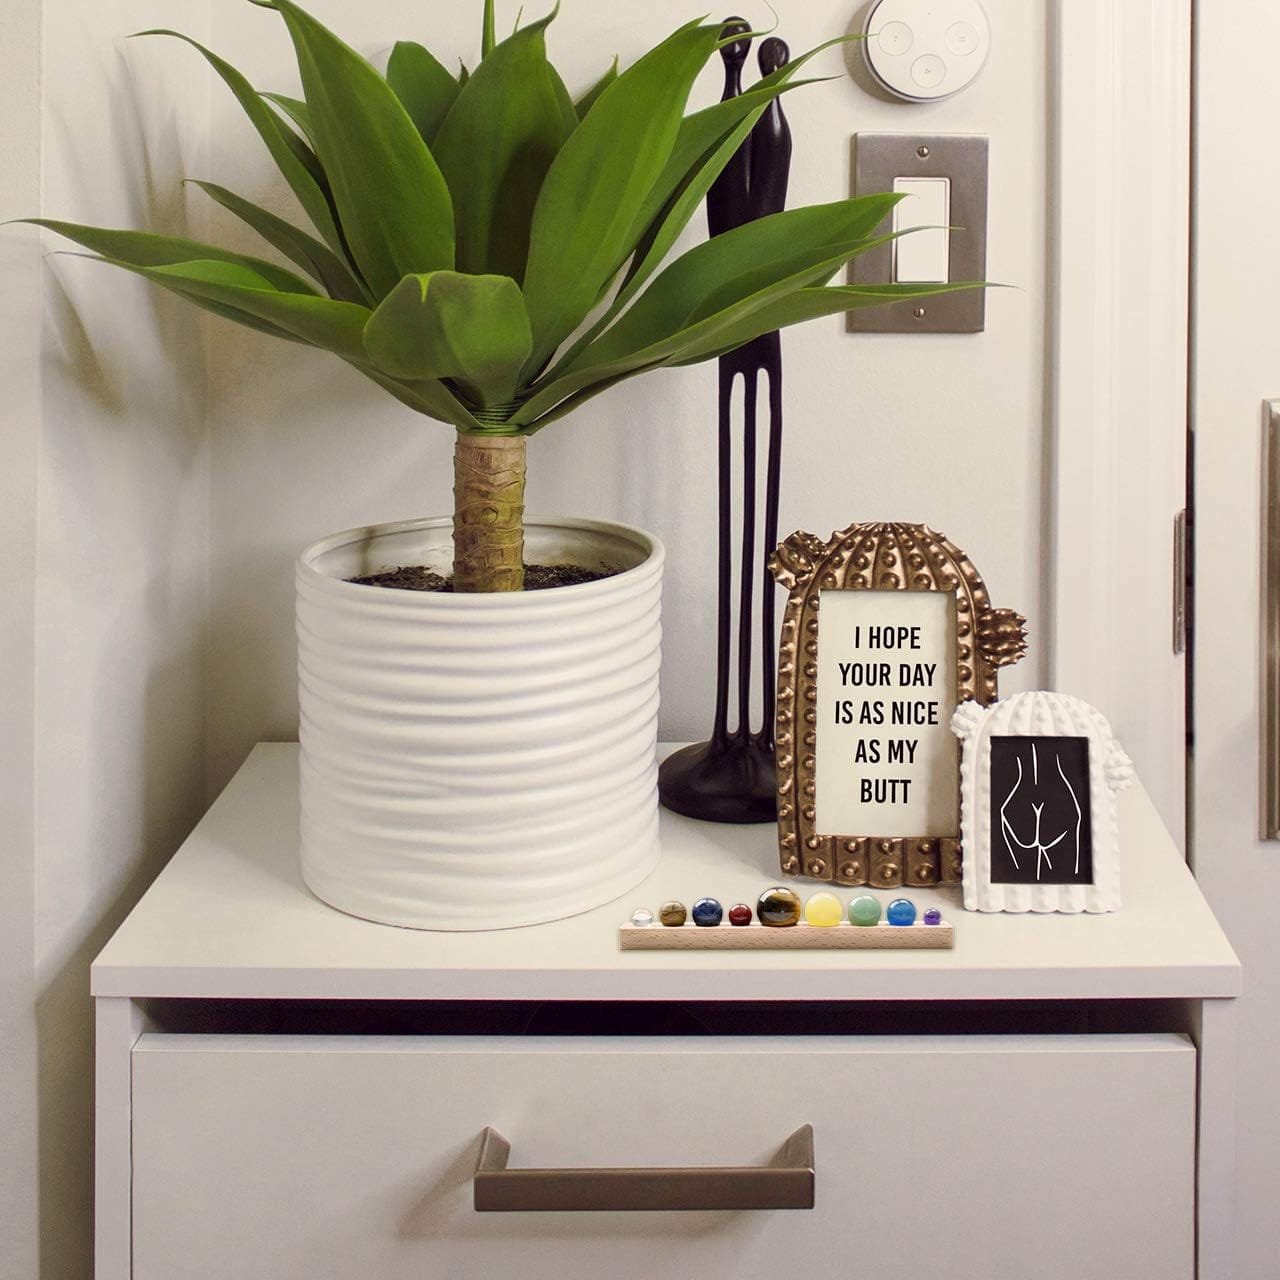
<point>823,910</point>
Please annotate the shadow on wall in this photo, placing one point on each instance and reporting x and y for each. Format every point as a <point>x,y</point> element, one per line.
<point>123,598</point>
<point>170,805</point>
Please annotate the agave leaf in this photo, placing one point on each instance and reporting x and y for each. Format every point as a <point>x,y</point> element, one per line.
<point>147,249</point>
<point>571,403</point>
<point>335,327</point>
<point>487,40</point>
<point>707,142</point>
<point>295,160</point>
<point>425,88</point>
<point>564,101</point>
<point>431,398</point>
<point>323,322</point>
<point>472,329</point>
<point>495,147</point>
<point>391,198</point>
<point>711,276</point>
<point>305,251</point>
<point>805,304</point>
<point>463,74</point>
<point>811,267</point>
<point>596,185</point>
<point>691,332</point>
<point>701,133</point>
<point>242,318</point>
<point>811,304</point>
<point>588,99</point>
<point>295,109</point>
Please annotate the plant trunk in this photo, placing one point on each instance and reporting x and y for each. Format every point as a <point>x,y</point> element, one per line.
<point>488,513</point>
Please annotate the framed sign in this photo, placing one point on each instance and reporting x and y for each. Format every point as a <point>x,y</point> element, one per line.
<point>1039,777</point>
<point>887,628</point>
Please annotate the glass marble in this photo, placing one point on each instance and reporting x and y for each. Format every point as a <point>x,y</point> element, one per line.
<point>672,914</point>
<point>642,917</point>
<point>933,916</point>
<point>707,913</point>
<point>740,914</point>
<point>778,908</point>
<point>901,911</point>
<point>864,910</point>
<point>823,910</point>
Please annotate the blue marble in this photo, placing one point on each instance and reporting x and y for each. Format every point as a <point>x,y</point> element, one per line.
<point>933,916</point>
<point>901,911</point>
<point>707,912</point>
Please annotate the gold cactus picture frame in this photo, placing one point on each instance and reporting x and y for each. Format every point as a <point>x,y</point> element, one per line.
<point>910,634</point>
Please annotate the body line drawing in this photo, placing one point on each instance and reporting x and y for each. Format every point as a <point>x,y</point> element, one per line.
<point>1036,842</point>
<point>1071,791</point>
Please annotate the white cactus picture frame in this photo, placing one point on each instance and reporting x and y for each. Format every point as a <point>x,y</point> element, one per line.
<point>1039,775</point>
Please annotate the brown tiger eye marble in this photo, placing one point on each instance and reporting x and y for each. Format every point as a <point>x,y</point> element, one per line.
<point>672,913</point>
<point>778,908</point>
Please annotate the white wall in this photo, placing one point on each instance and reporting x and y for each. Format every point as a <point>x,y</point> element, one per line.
<point>19,432</point>
<point>161,622</point>
<point>1236,365</point>
<point>121,547</point>
<point>944,429</point>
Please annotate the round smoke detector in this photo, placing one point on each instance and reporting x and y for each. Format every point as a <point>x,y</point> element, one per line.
<point>923,50</point>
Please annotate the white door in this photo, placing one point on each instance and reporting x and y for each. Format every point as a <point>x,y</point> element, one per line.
<point>1235,366</point>
<point>1122,83</point>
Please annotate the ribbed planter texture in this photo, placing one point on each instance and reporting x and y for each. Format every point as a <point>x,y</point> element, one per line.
<point>478,761</point>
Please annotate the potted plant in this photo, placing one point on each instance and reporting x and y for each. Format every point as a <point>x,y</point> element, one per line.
<point>491,253</point>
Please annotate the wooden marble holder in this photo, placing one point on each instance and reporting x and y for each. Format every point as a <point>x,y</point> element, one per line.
<point>797,937</point>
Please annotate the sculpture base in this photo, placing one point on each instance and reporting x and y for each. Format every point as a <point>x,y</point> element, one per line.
<point>736,782</point>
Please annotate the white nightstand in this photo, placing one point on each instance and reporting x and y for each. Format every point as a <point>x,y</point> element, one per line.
<point>287,1091</point>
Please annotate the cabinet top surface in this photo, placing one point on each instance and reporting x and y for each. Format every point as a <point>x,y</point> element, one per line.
<point>230,918</point>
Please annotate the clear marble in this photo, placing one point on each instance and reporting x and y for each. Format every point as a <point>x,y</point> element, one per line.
<point>642,917</point>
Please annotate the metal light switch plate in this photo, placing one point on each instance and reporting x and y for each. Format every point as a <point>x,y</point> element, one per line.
<point>881,158</point>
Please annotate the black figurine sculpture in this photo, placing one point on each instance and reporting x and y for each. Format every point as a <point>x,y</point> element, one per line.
<point>731,778</point>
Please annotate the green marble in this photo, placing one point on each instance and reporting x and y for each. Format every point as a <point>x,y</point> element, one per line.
<point>864,910</point>
<point>778,908</point>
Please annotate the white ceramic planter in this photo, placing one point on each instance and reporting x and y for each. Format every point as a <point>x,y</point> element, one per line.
<point>478,761</point>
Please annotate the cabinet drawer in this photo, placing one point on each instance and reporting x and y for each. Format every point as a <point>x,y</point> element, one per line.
<point>268,1158</point>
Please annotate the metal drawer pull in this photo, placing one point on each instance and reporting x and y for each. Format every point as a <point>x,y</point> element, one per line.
<point>786,1183</point>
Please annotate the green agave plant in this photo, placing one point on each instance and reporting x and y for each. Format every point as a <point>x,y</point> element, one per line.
<point>468,227</point>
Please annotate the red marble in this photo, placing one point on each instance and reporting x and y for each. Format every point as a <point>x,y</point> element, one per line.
<point>740,914</point>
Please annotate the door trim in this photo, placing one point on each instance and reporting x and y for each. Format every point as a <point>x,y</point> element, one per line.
<point>1119,252</point>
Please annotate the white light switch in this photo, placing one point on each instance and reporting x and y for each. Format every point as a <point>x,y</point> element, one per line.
<point>923,257</point>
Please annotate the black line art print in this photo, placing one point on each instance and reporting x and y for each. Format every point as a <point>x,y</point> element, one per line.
<point>1041,788</point>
